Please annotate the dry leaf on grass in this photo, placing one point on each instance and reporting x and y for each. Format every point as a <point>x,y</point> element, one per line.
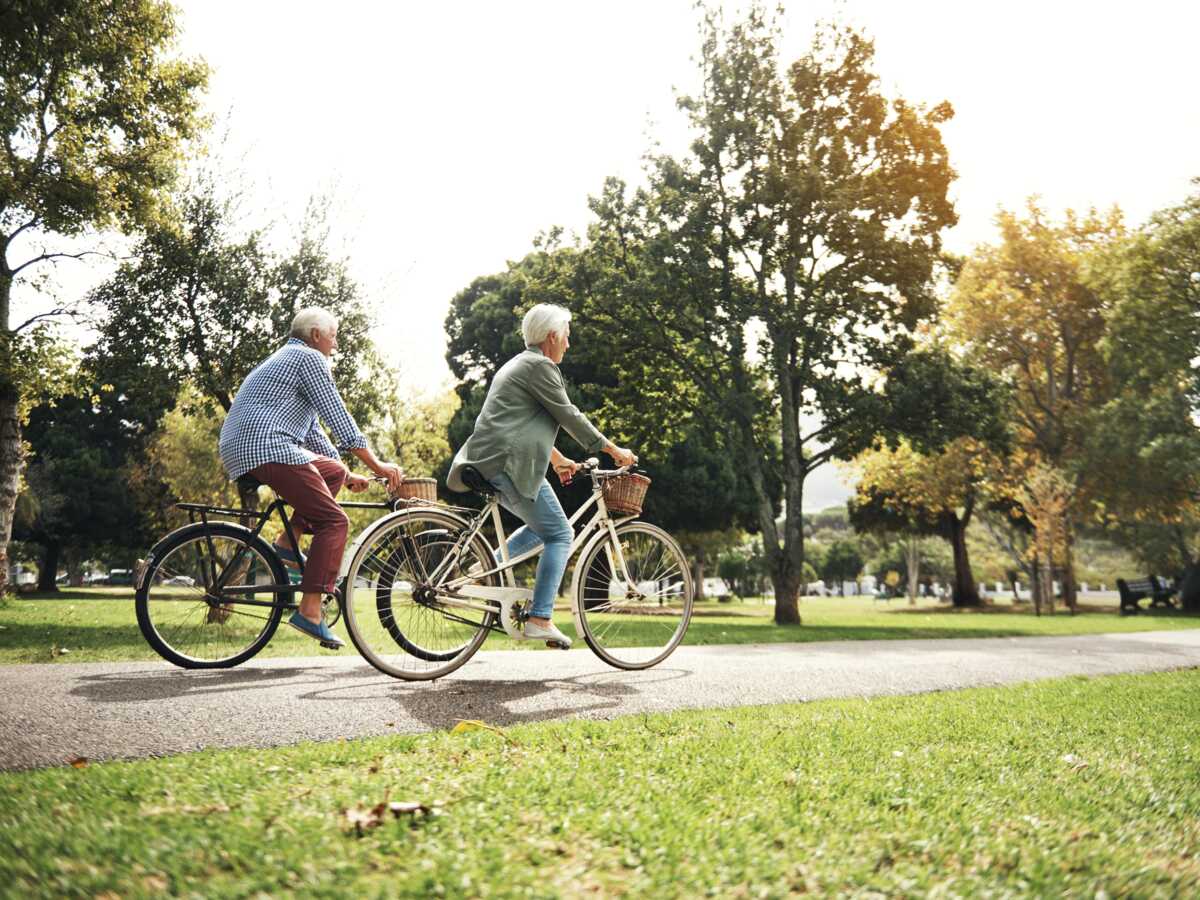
<point>465,725</point>
<point>79,762</point>
<point>363,819</point>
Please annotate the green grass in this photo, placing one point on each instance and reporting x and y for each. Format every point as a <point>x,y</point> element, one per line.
<point>93,626</point>
<point>1072,787</point>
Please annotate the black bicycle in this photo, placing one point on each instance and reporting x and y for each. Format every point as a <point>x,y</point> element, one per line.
<point>211,593</point>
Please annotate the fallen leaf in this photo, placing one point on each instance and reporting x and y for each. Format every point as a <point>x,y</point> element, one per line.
<point>363,819</point>
<point>465,725</point>
<point>79,762</point>
<point>1075,762</point>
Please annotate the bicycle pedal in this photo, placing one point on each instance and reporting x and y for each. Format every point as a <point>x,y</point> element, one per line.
<point>329,645</point>
<point>557,645</point>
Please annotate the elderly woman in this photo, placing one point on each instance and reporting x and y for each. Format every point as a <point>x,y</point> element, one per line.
<point>271,433</point>
<point>512,444</point>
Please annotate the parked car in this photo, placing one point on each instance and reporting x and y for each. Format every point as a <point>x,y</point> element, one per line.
<point>119,577</point>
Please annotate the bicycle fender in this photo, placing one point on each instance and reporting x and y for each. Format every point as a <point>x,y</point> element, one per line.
<point>143,565</point>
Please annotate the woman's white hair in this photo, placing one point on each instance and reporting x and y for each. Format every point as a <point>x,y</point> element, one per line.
<point>542,321</point>
<point>313,317</point>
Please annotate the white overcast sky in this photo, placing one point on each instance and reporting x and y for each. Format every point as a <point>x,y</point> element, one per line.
<point>451,133</point>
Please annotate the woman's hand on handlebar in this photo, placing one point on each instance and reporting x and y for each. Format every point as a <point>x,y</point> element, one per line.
<point>565,469</point>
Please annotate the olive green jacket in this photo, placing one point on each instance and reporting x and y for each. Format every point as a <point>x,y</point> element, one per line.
<point>525,405</point>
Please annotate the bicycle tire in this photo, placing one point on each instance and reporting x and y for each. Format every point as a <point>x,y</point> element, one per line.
<point>379,601</point>
<point>168,614</point>
<point>642,628</point>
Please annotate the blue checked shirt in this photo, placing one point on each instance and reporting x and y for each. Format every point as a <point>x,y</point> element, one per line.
<point>274,415</point>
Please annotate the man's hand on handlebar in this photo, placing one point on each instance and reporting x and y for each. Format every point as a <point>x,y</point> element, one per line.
<point>357,483</point>
<point>392,474</point>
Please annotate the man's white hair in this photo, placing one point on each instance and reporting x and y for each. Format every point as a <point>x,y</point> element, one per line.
<point>542,321</point>
<point>313,317</point>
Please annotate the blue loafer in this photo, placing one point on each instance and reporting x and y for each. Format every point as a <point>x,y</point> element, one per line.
<point>318,631</point>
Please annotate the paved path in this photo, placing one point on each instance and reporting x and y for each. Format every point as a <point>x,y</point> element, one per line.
<point>50,714</point>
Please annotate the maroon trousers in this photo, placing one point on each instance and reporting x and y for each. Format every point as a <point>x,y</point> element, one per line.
<point>310,490</point>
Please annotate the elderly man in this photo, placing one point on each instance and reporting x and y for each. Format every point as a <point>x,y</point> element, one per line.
<point>271,433</point>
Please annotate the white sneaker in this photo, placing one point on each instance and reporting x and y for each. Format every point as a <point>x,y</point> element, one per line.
<point>548,633</point>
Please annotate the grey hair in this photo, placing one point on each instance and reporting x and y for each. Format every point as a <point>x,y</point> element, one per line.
<point>313,317</point>
<point>543,320</point>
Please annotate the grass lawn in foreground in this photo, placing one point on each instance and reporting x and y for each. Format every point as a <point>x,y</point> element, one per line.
<point>95,624</point>
<point>1076,787</point>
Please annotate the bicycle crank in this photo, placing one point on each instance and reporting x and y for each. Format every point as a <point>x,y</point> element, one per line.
<point>511,600</point>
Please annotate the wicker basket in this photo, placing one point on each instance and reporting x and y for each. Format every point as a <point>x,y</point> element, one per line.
<point>625,493</point>
<point>424,489</point>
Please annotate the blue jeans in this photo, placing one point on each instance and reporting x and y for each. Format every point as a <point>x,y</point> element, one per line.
<point>545,523</point>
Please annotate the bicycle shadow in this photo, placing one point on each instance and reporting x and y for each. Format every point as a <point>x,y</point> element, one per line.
<point>504,701</point>
<point>157,684</point>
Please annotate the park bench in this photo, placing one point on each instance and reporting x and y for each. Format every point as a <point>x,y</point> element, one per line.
<point>1159,590</point>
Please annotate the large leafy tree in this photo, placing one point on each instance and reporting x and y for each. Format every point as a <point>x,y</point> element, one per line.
<point>931,482</point>
<point>203,304</point>
<point>698,487</point>
<point>1029,308</point>
<point>1147,467</point>
<point>94,112</point>
<point>77,503</point>
<point>783,264</point>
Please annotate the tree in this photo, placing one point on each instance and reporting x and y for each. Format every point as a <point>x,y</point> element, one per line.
<point>1046,495</point>
<point>204,305</point>
<point>94,112</point>
<point>901,490</point>
<point>698,490</point>
<point>843,562</point>
<point>1029,309</point>
<point>805,225</point>
<point>1148,465</point>
<point>77,499</point>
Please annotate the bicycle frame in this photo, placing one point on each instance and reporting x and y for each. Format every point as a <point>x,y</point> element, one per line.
<point>198,513</point>
<point>463,592</point>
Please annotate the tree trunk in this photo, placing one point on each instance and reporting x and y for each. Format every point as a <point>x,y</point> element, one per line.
<point>75,569</point>
<point>965,592</point>
<point>698,576</point>
<point>48,567</point>
<point>1068,573</point>
<point>10,423</point>
<point>1189,588</point>
<point>1035,585</point>
<point>11,459</point>
<point>912,561</point>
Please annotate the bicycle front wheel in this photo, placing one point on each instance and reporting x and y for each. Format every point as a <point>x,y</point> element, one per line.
<point>183,617</point>
<point>393,616</point>
<point>634,623</point>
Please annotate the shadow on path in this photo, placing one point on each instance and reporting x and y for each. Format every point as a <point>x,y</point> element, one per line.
<point>505,701</point>
<point>160,684</point>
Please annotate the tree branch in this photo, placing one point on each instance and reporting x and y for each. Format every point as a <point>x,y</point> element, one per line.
<point>61,311</point>
<point>53,256</point>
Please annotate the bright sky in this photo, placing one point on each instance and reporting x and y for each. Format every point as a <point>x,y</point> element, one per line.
<point>452,133</point>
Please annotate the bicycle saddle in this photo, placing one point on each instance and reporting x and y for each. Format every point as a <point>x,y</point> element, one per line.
<point>476,482</point>
<point>248,483</point>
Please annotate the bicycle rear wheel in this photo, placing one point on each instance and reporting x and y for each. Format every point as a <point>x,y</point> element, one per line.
<point>178,613</point>
<point>637,623</point>
<point>394,619</point>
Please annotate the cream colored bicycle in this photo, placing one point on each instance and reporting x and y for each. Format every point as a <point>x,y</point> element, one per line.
<point>423,586</point>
